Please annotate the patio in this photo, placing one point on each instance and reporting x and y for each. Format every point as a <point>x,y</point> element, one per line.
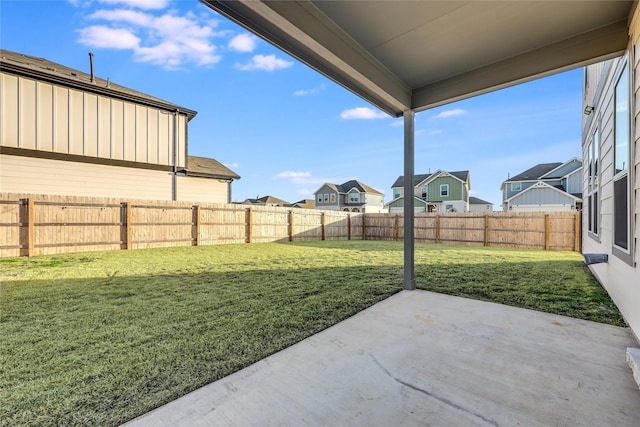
<point>421,358</point>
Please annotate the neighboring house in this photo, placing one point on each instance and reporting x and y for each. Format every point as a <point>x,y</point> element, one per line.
<point>266,201</point>
<point>611,175</point>
<point>434,192</point>
<point>545,187</point>
<point>66,132</point>
<point>352,196</point>
<point>304,204</point>
<point>479,205</point>
<point>205,180</point>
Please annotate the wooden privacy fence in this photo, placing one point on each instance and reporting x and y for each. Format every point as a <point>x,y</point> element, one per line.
<point>40,225</point>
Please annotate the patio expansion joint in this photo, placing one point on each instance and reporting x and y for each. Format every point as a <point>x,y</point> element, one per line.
<point>633,359</point>
<point>429,394</point>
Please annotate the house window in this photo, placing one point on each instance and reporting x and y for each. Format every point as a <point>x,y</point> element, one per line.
<point>424,192</point>
<point>593,183</point>
<point>354,197</point>
<point>319,198</point>
<point>396,194</point>
<point>622,131</point>
<point>326,198</point>
<point>516,186</point>
<point>444,190</point>
<point>332,197</point>
<point>449,208</point>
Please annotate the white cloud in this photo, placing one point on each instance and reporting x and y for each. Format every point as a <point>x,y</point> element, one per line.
<point>232,165</point>
<point>113,38</point>
<point>168,40</point>
<point>362,113</point>
<point>140,4</point>
<point>243,43</point>
<point>304,92</point>
<point>450,113</point>
<point>291,174</point>
<point>266,63</point>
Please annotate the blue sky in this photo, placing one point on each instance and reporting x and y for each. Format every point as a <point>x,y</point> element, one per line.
<point>284,128</point>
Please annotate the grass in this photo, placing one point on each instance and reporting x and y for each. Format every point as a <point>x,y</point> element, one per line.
<point>99,338</point>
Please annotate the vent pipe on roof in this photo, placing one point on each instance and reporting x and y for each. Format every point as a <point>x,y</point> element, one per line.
<point>91,65</point>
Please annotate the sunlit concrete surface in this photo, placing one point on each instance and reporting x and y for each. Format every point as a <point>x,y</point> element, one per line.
<point>421,358</point>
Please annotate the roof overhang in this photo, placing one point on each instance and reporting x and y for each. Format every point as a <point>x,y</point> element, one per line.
<point>415,55</point>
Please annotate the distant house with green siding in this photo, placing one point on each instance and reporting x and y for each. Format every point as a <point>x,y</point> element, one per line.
<point>440,191</point>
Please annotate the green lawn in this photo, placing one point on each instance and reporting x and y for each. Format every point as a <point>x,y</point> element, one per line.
<point>99,338</point>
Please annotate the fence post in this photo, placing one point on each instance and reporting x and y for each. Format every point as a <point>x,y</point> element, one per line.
<point>437,228</point>
<point>348,226</point>
<point>28,218</point>
<point>486,229</point>
<point>395,228</point>
<point>129,224</point>
<point>578,232</point>
<point>364,227</point>
<point>195,225</point>
<point>248,237</point>
<point>547,231</point>
<point>323,224</point>
<point>291,226</point>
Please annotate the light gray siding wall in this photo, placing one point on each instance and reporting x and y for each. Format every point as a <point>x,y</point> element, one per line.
<point>19,174</point>
<point>619,278</point>
<point>574,183</point>
<point>569,167</point>
<point>542,196</point>
<point>47,117</point>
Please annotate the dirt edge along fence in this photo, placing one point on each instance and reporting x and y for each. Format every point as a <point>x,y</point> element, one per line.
<point>35,225</point>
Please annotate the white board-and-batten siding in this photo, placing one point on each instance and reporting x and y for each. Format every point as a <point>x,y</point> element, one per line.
<point>37,115</point>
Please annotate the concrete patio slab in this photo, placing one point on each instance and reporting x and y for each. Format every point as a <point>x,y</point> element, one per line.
<point>420,358</point>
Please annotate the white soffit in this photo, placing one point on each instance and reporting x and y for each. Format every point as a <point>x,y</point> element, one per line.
<point>402,55</point>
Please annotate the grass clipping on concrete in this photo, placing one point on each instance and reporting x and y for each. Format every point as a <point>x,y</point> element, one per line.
<point>100,338</point>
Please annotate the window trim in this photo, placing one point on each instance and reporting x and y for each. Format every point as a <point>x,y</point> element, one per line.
<point>513,185</point>
<point>446,186</point>
<point>332,198</point>
<point>319,198</point>
<point>594,207</point>
<point>624,254</point>
<point>424,192</point>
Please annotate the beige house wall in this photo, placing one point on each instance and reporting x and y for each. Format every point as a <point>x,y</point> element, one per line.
<point>42,116</point>
<point>620,278</point>
<point>203,190</point>
<point>20,174</point>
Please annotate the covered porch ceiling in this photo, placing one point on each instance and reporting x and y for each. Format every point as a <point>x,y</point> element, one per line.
<point>415,55</point>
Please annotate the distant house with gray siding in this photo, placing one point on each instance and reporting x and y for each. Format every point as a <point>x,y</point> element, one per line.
<point>440,191</point>
<point>66,132</point>
<point>545,187</point>
<point>352,196</point>
<point>479,205</point>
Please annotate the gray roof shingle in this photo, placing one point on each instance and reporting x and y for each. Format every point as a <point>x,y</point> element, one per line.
<point>50,71</point>
<point>535,172</point>
<point>208,168</point>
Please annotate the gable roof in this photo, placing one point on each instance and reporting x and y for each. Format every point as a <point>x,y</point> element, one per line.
<point>535,172</point>
<point>350,185</point>
<point>304,204</point>
<point>554,173</point>
<point>477,201</point>
<point>417,179</point>
<point>542,185</point>
<point>43,69</point>
<point>266,200</point>
<point>207,167</point>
